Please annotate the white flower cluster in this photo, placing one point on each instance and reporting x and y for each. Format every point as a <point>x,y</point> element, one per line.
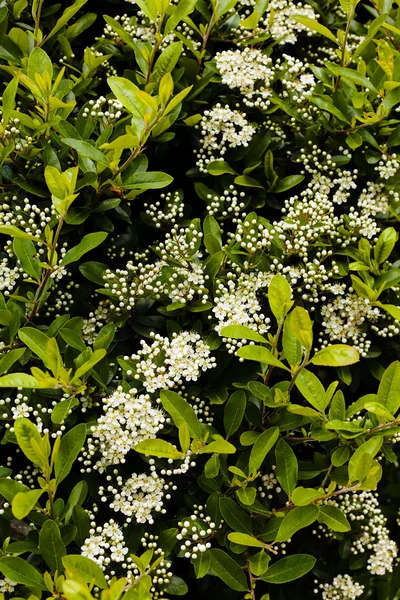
<point>108,113</point>
<point>343,587</point>
<point>373,199</point>
<point>137,496</point>
<point>167,211</point>
<point>236,303</point>
<point>106,544</point>
<point>95,321</point>
<point>29,217</point>
<point>369,527</point>
<point>221,129</point>
<point>13,133</point>
<point>297,81</point>
<point>8,276</point>
<point>388,166</point>
<point>166,363</point>
<point>344,320</point>
<point>227,205</point>
<point>278,20</point>
<point>253,234</point>
<point>269,483</point>
<point>248,70</point>
<point>7,585</point>
<point>180,282</point>
<point>128,419</point>
<point>195,532</point>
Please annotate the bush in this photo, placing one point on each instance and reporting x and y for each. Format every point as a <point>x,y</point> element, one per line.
<point>198,388</point>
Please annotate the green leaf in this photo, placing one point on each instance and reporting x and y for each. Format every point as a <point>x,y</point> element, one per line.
<point>183,9</point>
<point>168,58</point>
<point>296,519</point>
<point>334,518</point>
<point>234,412</point>
<point>235,516</point>
<point>51,546</point>
<point>129,95</point>
<point>71,445</point>
<point>39,62</point>
<point>241,332</point>
<point>30,441</point>
<point>385,244</point>
<point>389,388</point>
<point>176,586</point>
<point>151,180</point>
<point>219,445</point>
<point>73,339</point>
<point>289,568</point>
<point>291,346</point>
<point>301,326</point>
<point>245,540</point>
<point>246,495</point>
<point>16,233</point>
<point>326,103</point>
<point>36,340</point>
<point>260,354</point>
<point>340,456</point>
<point>25,251</point>
<point>86,569</point>
<point>105,337</point>
<point>8,103</point>
<point>24,502</point>
<point>21,380</point>
<point>202,564</point>
<point>181,412</point>
<point>228,570</point>
<point>62,409</point>
<point>261,448</point>
<point>312,389</point>
<point>10,358</point>
<point>287,183</point>
<point>86,149</point>
<point>94,271</point>
<point>160,448</point>
<point>315,26</point>
<point>219,167</point>
<point>87,243</point>
<point>337,355</point>
<point>65,17</point>
<point>352,75</point>
<point>303,496</point>
<point>279,297</point>
<point>19,570</point>
<point>370,447</point>
<point>286,466</point>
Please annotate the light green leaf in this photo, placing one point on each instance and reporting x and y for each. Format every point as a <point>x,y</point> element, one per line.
<point>315,26</point>
<point>62,409</point>
<point>16,233</point>
<point>160,448</point>
<point>25,251</point>
<point>181,412</point>
<point>86,569</point>
<point>260,354</point>
<point>303,496</point>
<point>301,326</point>
<point>389,388</point>
<point>30,441</point>
<point>371,447</point>
<point>287,183</point>
<point>245,540</point>
<point>24,502</point>
<point>312,389</point>
<point>10,358</point>
<point>279,297</point>
<point>337,355</point>
<point>241,332</point>
<point>219,167</point>
<point>385,244</point>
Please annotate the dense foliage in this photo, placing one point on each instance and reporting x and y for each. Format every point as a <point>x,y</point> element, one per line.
<point>199,384</point>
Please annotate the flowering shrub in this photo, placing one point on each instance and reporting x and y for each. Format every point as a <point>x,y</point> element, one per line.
<point>199,299</point>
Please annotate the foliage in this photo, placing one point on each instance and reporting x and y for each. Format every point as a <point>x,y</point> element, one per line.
<point>200,388</point>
